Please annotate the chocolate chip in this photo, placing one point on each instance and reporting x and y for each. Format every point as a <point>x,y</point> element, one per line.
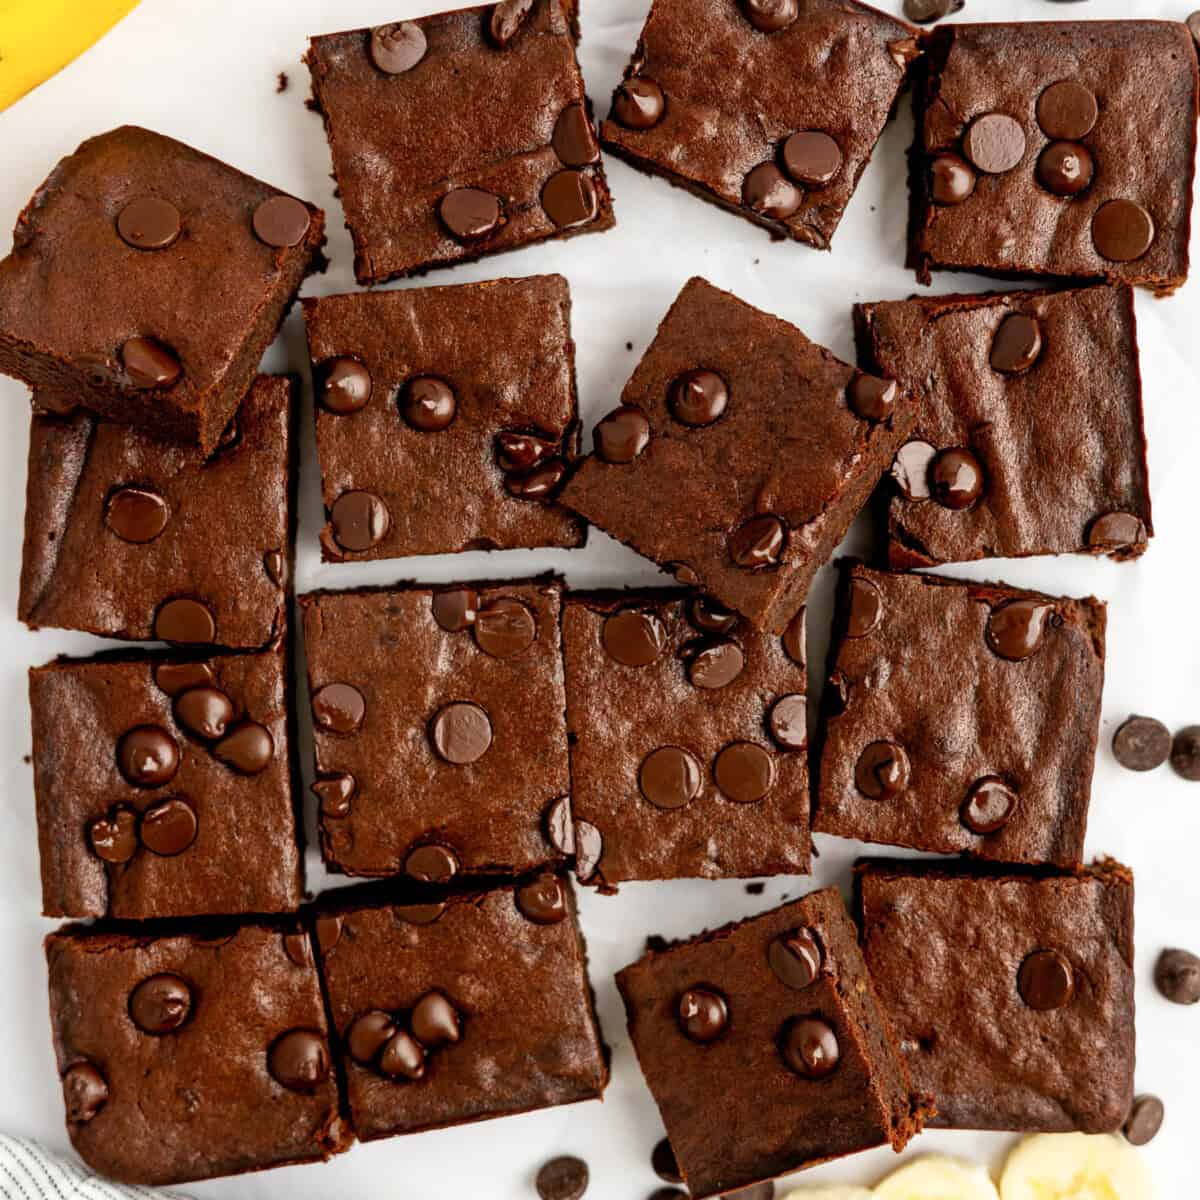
<point>542,901</point>
<point>461,733</point>
<point>989,806</point>
<point>148,756</point>
<point>1144,1121</point>
<point>639,103</point>
<point>882,771</point>
<point>1067,110</point>
<point>368,1035</point>
<point>1116,531</point>
<point>872,398</point>
<point>559,825</point>
<point>455,610</point>
<point>402,1057</point>
<point>1016,344</point>
<point>698,397</point>
<point>136,514</point>
<point>431,864</point>
<point>812,157</point>
<point>708,616</point>
<point>434,1021</point>
<point>758,542</point>
<point>160,1004</point>
<point>1015,630</point>
<point>281,221</point>
<point>419,914</point>
<point>864,609</point>
<point>702,1014</point>
<point>358,521</point>
<point>770,16</point>
<point>1122,230</point>
<point>345,386</point>
<point>794,640</point>
<point>744,772</point>
<point>507,19</point>
<point>149,223</point>
<point>795,958</point>
<point>521,451</point>
<point>204,712</point>
<point>298,948</point>
<point>574,139</point>
<point>662,1159</point>
<point>149,364</point>
<point>788,722</point>
<point>329,931</point>
<point>716,664</point>
<point>1046,981</point>
<point>169,827</point>
<point>339,708</point>
<point>810,1047</point>
<point>925,12</point>
<point>994,143</point>
<point>1185,752</point>
<point>84,1092</point>
<point>428,404</point>
<point>589,849</point>
<point>622,435</point>
<point>1065,168</point>
<point>276,567</point>
<point>174,678</point>
<point>951,179</point>
<point>248,748</point>
<point>955,478</point>
<point>469,213</point>
<point>564,1178</point>
<point>336,794</point>
<point>505,628</point>
<point>634,639</point>
<point>570,199</point>
<point>1141,744</point>
<point>670,777</point>
<point>768,191</point>
<point>538,484</point>
<point>299,1060</point>
<point>1177,976</point>
<point>113,837</point>
<point>185,621</point>
<point>398,47</point>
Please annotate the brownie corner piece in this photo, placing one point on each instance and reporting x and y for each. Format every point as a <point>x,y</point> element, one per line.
<point>458,135</point>
<point>783,121</point>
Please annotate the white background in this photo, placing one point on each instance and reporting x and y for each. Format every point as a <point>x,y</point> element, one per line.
<point>205,71</point>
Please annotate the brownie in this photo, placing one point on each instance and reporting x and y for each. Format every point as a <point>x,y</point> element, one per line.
<point>459,135</point>
<point>193,1053</point>
<point>739,455</point>
<point>780,1011</point>
<point>121,530</point>
<point>461,1009</point>
<point>1029,436</point>
<point>446,417</point>
<point>1011,994</point>
<point>1040,152</point>
<point>147,279</point>
<point>688,737</point>
<point>439,732</point>
<point>960,717</point>
<point>164,786</point>
<point>782,119</point>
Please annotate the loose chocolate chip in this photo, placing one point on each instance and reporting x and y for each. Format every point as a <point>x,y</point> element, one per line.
<point>136,514</point>
<point>1067,110</point>
<point>639,103</point>
<point>1016,344</point>
<point>662,1159</point>
<point>872,398</point>
<point>402,1057</point>
<point>770,16</point>
<point>248,748</point>
<point>758,542</point>
<point>812,157</point>
<point>505,628</point>
<point>160,1004</point>
<point>1144,1121</point>
<point>174,678</point>
<point>864,608</point>
<point>810,1047</point>
<point>744,772</point>
<point>149,364</point>
<point>276,567</point>
<point>185,621</point>
<point>281,221</point>
<point>702,1013</point>
<point>461,733</point>
<point>1185,752</point>
<point>951,179</point>
<point>708,616</point>
<point>716,665</point>
<point>634,639</point>
<point>768,191</point>
<point>1141,744</point>
<point>955,478</point>
<point>560,826</point>
<point>398,47</point>
<point>1116,531</point>
<point>622,435</point>
<point>469,213</point>
<point>1016,630</point>
<point>359,520</point>
<point>431,864</point>
<point>522,451</point>
<point>299,1060</point>
<point>538,484</point>
<point>1046,981</point>
<point>336,794</point>
<point>339,708</point>
<point>329,931</point>
<point>149,223</point>
<point>882,771</point>
<point>574,139</point>
<point>113,837</point>
<point>925,12</point>
<point>455,610</point>
<point>434,1021</point>
<point>795,958</point>
<point>345,386</point>
<point>84,1092</point>
<point>507,19</point>
<point>428,404</point>
<point>298,948</point>
<point>419,914</point>
<point>1065,168</point>
<point>794,640</point>
<point>788,722</point>
<point>204,711</point>
<point>368,1035</point>
<point>994,143</point>
<point>589,849</point>
<point>1177,976</point>
<point>989,806</point>
<point>670,777</point>
<point>148,756</point>
<point>698,397</point>
<point>169,828</point>
<point>564,1178</point>
<point>570,199</point>
<point>542,901</point>
<point>1122,230</point>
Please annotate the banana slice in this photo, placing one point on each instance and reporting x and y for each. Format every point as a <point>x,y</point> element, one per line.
<point>1075,1166</point>
<point>937,1177</point>
<point>831,1192</point>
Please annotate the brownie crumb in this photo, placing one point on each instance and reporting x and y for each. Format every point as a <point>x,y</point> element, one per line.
<point>281,82</point>
<point>628,345</point>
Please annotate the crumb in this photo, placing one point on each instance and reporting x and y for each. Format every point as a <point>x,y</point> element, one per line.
<point>312,105</point>
<point>816,853</point>
<point>655,944</point>
<point>757,261</point>
<point>281,82</point>
<point>628,345</point>
<point>756,889</point>
<point>872,207</point>
<point>27,759</point>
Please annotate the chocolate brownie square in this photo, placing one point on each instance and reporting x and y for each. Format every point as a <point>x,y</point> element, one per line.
<point>131,538</point>
<point>1029,435</point>
<point>1011,994</point>
<point>446,417</point>
<point>439,732</point>
<point>780,1011</point>
<point>688,737</point>
<point>960,717</point>
<point>164,786</point>
<point>739,455</point>
<point>145,282</point>
<point>192,1054</point>
<point>779,122</point>
<point>460,1009</point>
<point>459,135</point>
<point>1040,152</point>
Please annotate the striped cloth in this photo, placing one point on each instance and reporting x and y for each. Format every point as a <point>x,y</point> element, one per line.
<point>29,1172</point>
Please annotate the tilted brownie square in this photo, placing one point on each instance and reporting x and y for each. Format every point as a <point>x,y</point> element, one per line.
<point>439,728</point>
<point>194,1053</point>
<point>132,538</point>
<point>960,717</point>
<point>1029,435</point>
<point>1011,994</point>
<point>768,108</point>
<point>164,786</point>
<point>198,264</point>
<point>459,135</point>
<point>688,737</point>
<point>446,417</point>
<point>1040,152</point>
<point>460,1009</point>
<point>739,455</point>
<point>780,1011</point>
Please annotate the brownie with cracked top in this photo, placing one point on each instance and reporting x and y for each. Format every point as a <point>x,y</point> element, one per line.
<point>1012,994</point>
<point>960,717</point>
<point>459,135</point>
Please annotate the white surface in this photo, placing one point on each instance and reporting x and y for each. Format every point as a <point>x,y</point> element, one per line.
<point>204,71</point>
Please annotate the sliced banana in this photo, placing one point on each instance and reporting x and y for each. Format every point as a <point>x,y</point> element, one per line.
<point>1075,1166</point>
<point>937,1177</point>
<point>831,1191</point>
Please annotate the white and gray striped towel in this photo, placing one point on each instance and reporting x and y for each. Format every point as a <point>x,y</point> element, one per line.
<point>30,1172</point>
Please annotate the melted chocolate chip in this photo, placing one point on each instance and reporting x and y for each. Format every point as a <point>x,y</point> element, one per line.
<point>299,1060</point>
<point>882,771</point>
<point>758,542</point>
<point>507,20</point>
<point>434,1021</point>
<point>248,748</point>
<point>1177,976</point>
<point>281,222</point>
<point>1185,752</point>
<point>160,1004</point>
<point>149,364</point>
<point>184,621</point>
<point>469,213</point>
<point>771,16</point>
<point>149,223</point>
<point>670,777</point>
<point>345,386</point>
<point>1046,981</point>
<point>559,825</point>
<point>398,47</point>
<point>564,1178</point>
<point>1065,168</point>
<point>204,712</point>
<point>788,722</point>
<point>461,733</point>
<point>810,1047</point>
<point>336,794</point>
<point>864,607</point>
<point>402,1057</point>
<point>702,1014</point>
<point>994,143</point>
<point>795,958</point>
<point>794,640</point>
<point>634,639</point>
<point>708,616</point>
<point>431,864</point>
<point>872,398</point>
<point>639,103</point>
<point>622,435</point>
<point>990,805</point>
<point>574,139</point>
<point>698,397</point>
<point>455,610</point>
<point>368,1036</point>
<point>339,708</point>
<point>716,664</point>
<point>169,828</point>
<point>951,180</point>
<point>768,191</point>
<point>744,772</point>
<point>174,678</point>
<point>522,451</point>
<point>136,514</point>
<point>1016,344</point>
<point>1016,629</point>
<point>358,521</point>
<point>1067,110</point>
<point>1141,744</point>
<point>1116,531</point>
<point>955,478</point>
<point>538,484</point>
<point>1122,230</point>
<point>148,756</point>
<point>505,628</point>
<point>589,849</point>
<point>542,901</point>
<point>84,1092</point>
<point>570,199</point>
<point>113,837</point>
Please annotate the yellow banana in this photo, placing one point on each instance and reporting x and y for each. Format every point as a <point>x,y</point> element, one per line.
<point>39,37</point>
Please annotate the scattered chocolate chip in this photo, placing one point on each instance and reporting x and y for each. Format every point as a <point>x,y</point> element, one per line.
<point>1046,981</point>
<point>345,386</point>
<point>768,191</point>
<point>770,16</point>
<point>542,900</point>
<point>810,1047</point>
<point>662,1159</point>
<point>812,157</point>
<point>248,748</point>
<point>185,621</point>
<point>169,827</point>
<point>1144,1121</point>
<point>174,678</point>
<point>402,1057</point>
<point>299,1060</point>
<point>574,139</point>
<point>538,484</point>
<point>461,733</point>
<point>1067,110</point>
<point>149,364</point>
<point>368,1035</point>
<point>787,722</point>
<point>864,608</point>
<point>955,478</point>
<point>507,19</point>
<point>951,179</point>
<point>670,777</point>
<point>1122,230</point>
<point>336,794</point>
<point>522,451</point>
<point>204,712</point>
<point>431,864</point>
<point>160,1004</point>
<point>990,805</point>
<point>698,397</point>
<point>794,640</point>
<point>1141,744</point>
<point>1177,976</point>
<point>84,1092</point>
<point>716,665</point>
<point>758,542</point>
<point>925,12</point>
<point>994,143</point>
<point>149,223</point>
<point>1016,344</point>
<point>148,756</point>
<point>1015,630</point>
<point>872,398</point>
<point>795,958</point>
<point>570,198</point>
<point>744,772</point>
<point>469,213</point>
<point>1065,168</point>
<point>564,1178</point>
<point>358,521</point>
<point>339,708</point>
<point>398,47</point>
<point>622,435</point>
<point>632,638</point>
<point>589,849</point>
<point>708,616</point>
<point>113,837</point>
<point>702,1013</point>
<point>434,1021</point>
<point>882,771</point>
<point>281,221</point>
<point>505,628</point>
<point>1115,531</point>
<point>455,610</point>
<point>639,103</point>
<point>1185,752</point>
